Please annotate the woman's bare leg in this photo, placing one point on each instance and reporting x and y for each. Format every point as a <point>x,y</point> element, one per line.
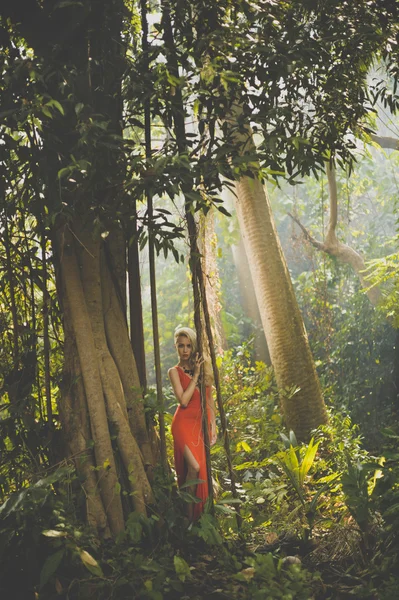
<point>192,473</point>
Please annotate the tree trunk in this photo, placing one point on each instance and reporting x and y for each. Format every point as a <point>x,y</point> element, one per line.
<point>93,278</point>
<point>93,313</point>
<point>207,242</point>
<point>249,302</point>
<point>76,430</point>
<point>300,392</point>
<point>135,303</point>
<point>121,350</point>
<point>78,311</point>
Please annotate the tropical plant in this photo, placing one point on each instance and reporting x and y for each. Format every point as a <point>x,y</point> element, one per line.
<point>296,463</point>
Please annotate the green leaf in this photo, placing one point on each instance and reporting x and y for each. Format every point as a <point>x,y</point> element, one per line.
<point>230,500</point>
<point>54,533</point>
<point>181,567</point>
<point>50,566</point>
<point>224,211</point>
<point>90,563</point>
<point>286,440</point>
<point>246,446</point>
<point>224,510</point>
<point>47,112</point>
<point>56,104</point>
<point>135,531</point>
<point>78,108</point>
<point>207,530</point>
<point>308,460</point>
<point>191,483</point>
<point>388,432</point>
<point>64,172</point>
<point>136,122</point>
<point>313,503</point>
<point>293,440</point>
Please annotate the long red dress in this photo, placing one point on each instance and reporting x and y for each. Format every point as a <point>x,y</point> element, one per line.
<point>187,431</point>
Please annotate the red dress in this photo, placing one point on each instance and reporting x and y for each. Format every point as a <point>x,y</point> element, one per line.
<point>187,431</point>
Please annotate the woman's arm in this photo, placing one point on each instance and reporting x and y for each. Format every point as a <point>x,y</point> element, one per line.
<point>183,396</point>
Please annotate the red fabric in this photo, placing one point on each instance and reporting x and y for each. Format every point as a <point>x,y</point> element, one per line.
<point>187,431</point>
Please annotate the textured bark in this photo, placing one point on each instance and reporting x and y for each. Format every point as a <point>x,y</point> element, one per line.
<point>76,431</point>
<point>83,334</point>
<point>122,353</point>
<point>282,322</point>
<point>340,251</point>
<point>115,252</point>
<point>110,376</point>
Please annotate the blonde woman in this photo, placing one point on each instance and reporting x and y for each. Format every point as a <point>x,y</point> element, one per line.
<point>189,449</point>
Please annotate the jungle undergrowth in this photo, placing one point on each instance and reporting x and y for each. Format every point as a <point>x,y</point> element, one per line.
<point>319,519</point>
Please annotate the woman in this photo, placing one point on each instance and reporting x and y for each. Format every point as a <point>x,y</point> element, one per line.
<point>189,449</point>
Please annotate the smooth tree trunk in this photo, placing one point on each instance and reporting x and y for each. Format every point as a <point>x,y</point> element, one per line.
<point>135,303</point>
<point>300,392</point>
<point>249,302</point>
<point>207,243</point>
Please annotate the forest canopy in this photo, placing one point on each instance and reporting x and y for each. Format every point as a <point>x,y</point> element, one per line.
<point>230,167</point>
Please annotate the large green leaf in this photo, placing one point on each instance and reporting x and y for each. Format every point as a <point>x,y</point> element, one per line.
<point>50,566</point>
<point>307,461</point>
<point>181,567</point>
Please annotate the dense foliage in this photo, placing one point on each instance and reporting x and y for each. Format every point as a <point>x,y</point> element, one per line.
<point>100,117</point>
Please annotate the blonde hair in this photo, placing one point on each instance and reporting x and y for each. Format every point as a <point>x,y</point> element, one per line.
<point>192,336</point>
<point>188,333</point>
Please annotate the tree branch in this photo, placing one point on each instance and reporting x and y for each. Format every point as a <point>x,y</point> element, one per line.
<point>310,238</point>
<point>331,237</point>
<point>386,142</point>
<point>334,247</point>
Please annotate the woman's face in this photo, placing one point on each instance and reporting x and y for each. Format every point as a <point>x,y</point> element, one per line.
<point>184,348</point>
